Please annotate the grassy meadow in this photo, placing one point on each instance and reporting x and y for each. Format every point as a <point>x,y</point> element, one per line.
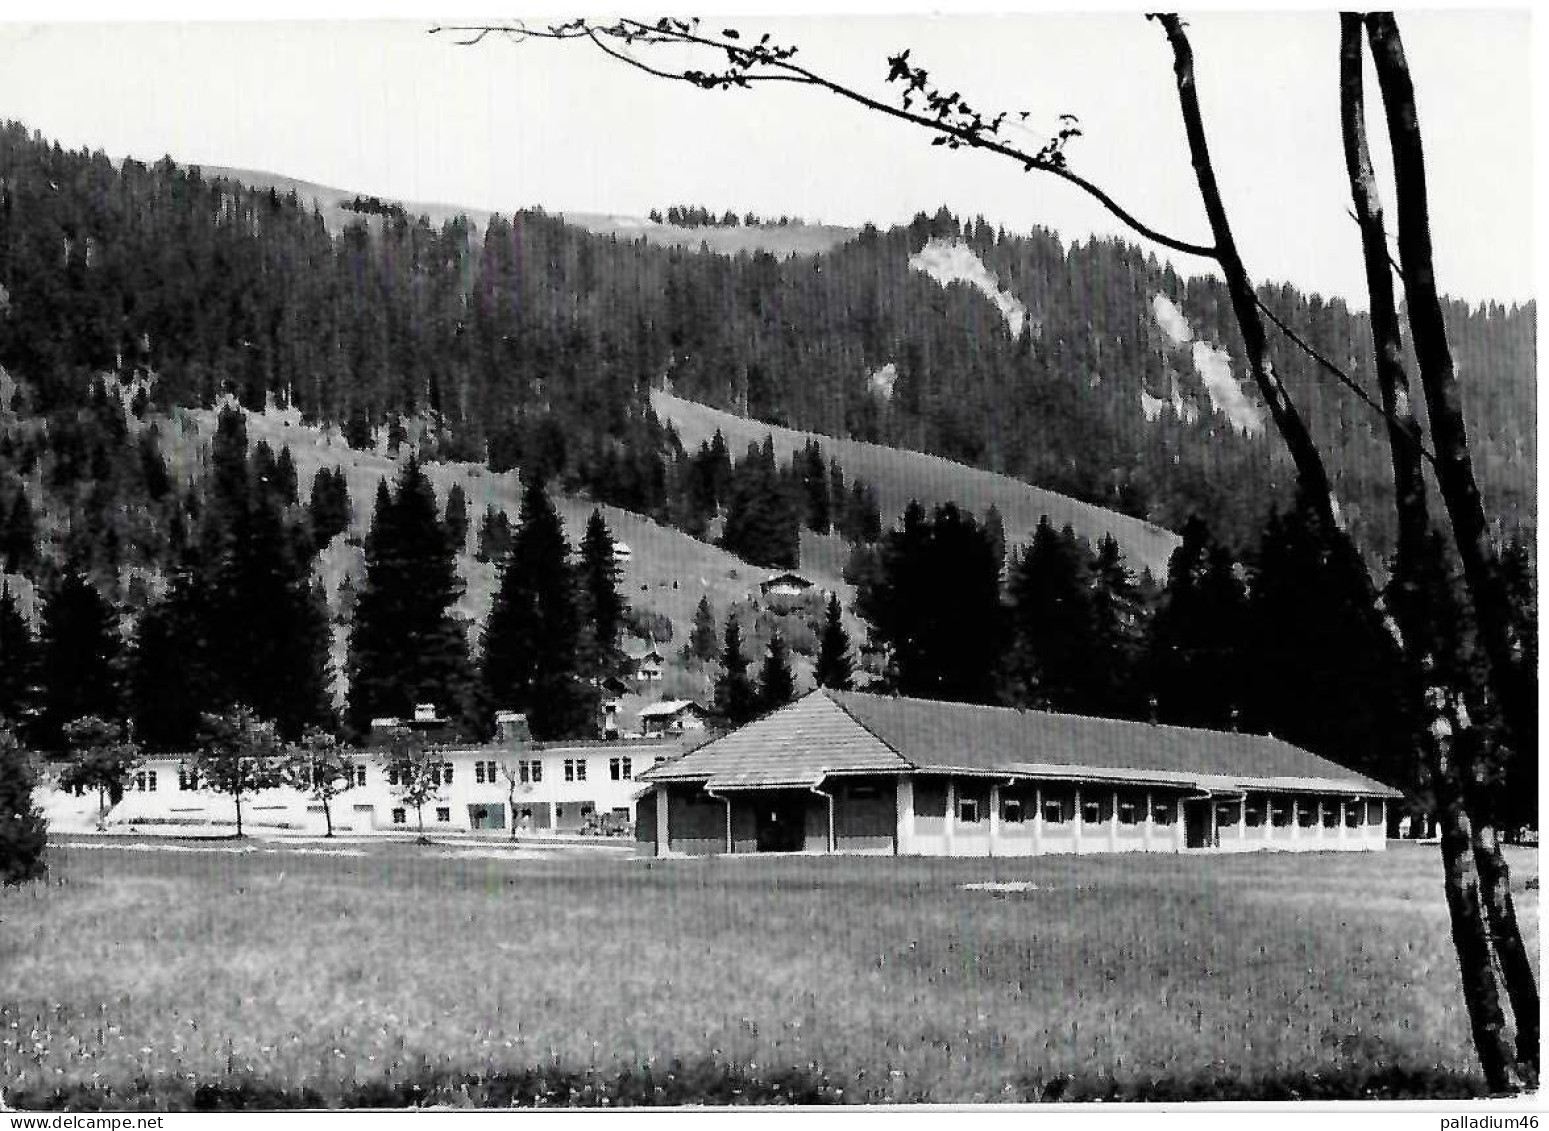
<point>216,977</point>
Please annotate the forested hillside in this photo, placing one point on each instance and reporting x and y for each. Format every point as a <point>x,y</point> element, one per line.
<point>538,340</point>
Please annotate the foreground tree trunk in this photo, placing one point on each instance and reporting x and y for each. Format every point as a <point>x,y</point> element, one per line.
<point>1481,993</point>
<point>1438,378</point>
<point>1407,599</point>
<point>1506,934</point>
<point>1310,472</point>
<point>1465,509</point>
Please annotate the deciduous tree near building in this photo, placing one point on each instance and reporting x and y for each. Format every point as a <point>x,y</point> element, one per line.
<point>322,768</point>
<point>239,754</point>
<point>100,759</point>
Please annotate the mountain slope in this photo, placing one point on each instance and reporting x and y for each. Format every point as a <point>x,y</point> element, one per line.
<point>900,476</point>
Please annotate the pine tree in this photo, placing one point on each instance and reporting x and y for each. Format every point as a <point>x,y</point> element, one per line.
<point>776,681</point>
<point>531,642</point>
<point>603,610</point>
<point>78,657</point>
<point>406,646</point>
<point>933,605</point>
<point>1118,624</point>
<point>23,832</point>
<point>1194,661</point>
<point>171,680</point>
<point>835,667</point>
<point>736,699</point>
<point>703,641</point>
<point>328,506</point>
<point>457,516</point>
<point>1054,662</point>
<point>494,536</point>
<point>18,537</point>
<point>18,661</point>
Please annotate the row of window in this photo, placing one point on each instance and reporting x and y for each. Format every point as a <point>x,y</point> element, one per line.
<point>528,770</point>
<point>400,814</point>
<point>1098,811</point>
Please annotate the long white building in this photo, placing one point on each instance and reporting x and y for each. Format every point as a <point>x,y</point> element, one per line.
<point>538,787</point>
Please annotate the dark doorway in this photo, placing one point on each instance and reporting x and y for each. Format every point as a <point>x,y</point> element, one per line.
<point>782,823</point>
<point>1196,824</point>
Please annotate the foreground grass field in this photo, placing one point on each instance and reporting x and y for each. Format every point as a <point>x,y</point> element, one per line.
<point>213,977</point>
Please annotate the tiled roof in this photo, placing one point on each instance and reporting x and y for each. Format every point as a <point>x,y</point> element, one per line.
<point>668,707</point>
<point>797,745</point>
<point>844,731</point>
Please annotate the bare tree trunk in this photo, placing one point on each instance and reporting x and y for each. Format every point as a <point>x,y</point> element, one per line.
<point>1310,471</point>
<point>1465,509</point>
<point>1481,993</point>
<point>1404,441</point>
<point>1506,934</point>
<point>1438,378</point>
<point>1404,436</point>
<point>237,800</point>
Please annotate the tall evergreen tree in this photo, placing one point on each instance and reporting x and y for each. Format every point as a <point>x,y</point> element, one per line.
<point>1119,626</point>
<point>530,648</point>
<point>18,661</point>
<point>776,681</point>
<point>703,641</point>
<point>1321,669</point>
<point>1194,660</point>
<point>23,832</point>
<point>494,536</point>
<point>736,699</point>
<point>78,657</point>
<point>328,506</point>
<point>933,605</point>
<point>835,667</point>
<point>457,516</point>
<point>602,606</point>
<point>1054,659</point>
<point>406,645</point>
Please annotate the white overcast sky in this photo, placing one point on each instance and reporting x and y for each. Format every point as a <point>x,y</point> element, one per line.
<point>381,107</point>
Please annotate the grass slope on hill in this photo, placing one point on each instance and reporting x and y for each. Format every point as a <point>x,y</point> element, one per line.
<point>777,240</point>
<point>667,573</point>
<point>166,980</point>
<point>900,476</point>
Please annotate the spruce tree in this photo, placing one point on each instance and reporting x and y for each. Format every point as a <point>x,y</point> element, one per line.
<point>406,646</point>
<point>1054,662</point>
<point>18,661</point>
<point>78,657</point>
<point>776,681</point>
<point>23,832</point>
<point>736,699</point>
<point>1322,670</point>
<point>703,641</point>
<point>530,647</point>
<point>494,536</point>
<point>835,667</point>
<point>602,606</point>
<point>457,517</point>
<point>1194,661</point>
<point>328,506</point>
<point>1118,624</point>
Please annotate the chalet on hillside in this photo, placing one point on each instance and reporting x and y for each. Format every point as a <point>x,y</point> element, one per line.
<point>647,666</point>
<point>672,717</point>
<point>853,772</point>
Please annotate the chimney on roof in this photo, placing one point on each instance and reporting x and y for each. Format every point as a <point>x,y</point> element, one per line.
<point>511,728</point>
<point>1234,719</point>
<point>1151,703</point>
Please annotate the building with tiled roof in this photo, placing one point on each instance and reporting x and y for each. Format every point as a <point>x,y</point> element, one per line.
<point>840,771</point>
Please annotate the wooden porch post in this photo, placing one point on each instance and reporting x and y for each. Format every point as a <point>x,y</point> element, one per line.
<point>1080,818</point>
<point>1113,822</point>
<point>662,845</point>
<point>950,828</point>
<point>903,841</point>
<point>1037,820</point>
<point>1145,829</point>
<point>994,817</point>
